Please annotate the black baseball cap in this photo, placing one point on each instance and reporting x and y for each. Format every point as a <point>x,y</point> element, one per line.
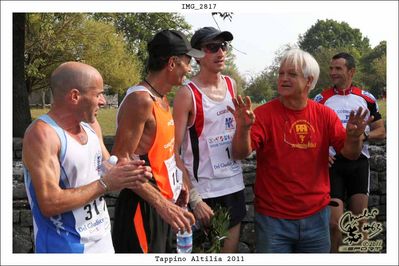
<point>172,42</point>
<point>209,33</point>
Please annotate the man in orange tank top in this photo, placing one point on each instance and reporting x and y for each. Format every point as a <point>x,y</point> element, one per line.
<point>146,216</point>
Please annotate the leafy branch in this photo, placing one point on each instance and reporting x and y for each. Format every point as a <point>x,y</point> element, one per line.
<point>210,239</point>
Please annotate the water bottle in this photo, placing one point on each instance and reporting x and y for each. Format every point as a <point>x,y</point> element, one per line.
<point>106,165</point>
<point>184,241</point>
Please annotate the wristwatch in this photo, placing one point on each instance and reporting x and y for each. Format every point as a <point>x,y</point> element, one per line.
<point>366,136</point>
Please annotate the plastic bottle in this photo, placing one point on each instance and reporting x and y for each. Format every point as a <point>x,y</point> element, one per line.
<point>106,165</point>
<point>184,241</point>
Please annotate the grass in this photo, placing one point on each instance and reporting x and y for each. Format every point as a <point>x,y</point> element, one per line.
<point>106,117</point>
<point>382,104</point>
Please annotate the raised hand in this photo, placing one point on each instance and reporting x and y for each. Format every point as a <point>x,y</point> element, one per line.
<point>242,112</point>
<point>357,123</point>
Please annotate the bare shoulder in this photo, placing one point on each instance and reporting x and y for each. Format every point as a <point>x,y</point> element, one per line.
<point>183,92</point>
<point>39,132</point>
<point>39,139</point>
<point>139,103</point>
<point>183,98</point>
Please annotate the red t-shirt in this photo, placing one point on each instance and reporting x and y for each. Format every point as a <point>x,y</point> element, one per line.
<point>292,180</point>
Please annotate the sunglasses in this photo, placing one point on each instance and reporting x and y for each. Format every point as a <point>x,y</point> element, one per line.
<point>214,47</point>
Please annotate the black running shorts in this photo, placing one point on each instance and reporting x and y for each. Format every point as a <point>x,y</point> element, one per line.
<point>349,177</point>
<point>234,202</point>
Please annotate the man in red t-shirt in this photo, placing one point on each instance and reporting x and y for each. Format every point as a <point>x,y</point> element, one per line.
<point>291,135</point>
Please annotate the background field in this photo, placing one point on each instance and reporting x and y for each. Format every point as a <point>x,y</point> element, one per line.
<point>106,117</point>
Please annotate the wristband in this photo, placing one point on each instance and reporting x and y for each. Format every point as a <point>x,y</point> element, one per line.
<point>195,198</point>
<point>102,182</point>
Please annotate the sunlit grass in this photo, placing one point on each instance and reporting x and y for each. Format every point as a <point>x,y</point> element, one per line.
<point>106,118</point>
<point>382,104</point>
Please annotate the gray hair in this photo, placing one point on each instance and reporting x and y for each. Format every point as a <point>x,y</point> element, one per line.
<point>304,61</point>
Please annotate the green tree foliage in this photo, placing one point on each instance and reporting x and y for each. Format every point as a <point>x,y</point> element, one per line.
<point>262,87</point>
<point>232,71</point>
<point>139,28</point>
<point>49,42</point>
<point>332,34</point>
<point>119,68</point>
<point>373,67</point>
<point>54,38</point>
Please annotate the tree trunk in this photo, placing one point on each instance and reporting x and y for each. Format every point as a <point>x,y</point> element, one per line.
<point>21,111</point>
<point>43,98</point>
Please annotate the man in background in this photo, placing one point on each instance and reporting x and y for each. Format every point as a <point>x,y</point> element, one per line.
<point>350,180</point>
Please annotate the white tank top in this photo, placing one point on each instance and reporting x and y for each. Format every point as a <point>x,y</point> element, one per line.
<point>82,230</point>
<point>206,148</point>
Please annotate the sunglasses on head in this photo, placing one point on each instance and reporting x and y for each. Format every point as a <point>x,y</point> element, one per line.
<point>214,47</point>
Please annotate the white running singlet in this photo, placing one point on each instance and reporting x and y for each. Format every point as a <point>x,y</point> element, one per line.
<point>343,102</point>
<point>206,148</point>
<point>83,230</point>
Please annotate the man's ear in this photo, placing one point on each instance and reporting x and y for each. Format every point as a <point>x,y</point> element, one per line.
<point>310,80</point>
<point>352,72</point>
<point>74,95</point>
<point>171,63</point>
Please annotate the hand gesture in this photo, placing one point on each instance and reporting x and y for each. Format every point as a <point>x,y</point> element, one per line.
<point>242,112</point>
<point>357,123</point>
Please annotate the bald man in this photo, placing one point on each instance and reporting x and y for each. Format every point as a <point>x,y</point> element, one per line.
<point>62,152</point>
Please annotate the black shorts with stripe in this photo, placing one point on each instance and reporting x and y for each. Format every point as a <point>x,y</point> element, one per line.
<point>138,228</point>
<point>349,177</point>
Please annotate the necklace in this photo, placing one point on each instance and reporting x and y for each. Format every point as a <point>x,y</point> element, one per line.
<point>159,95</point>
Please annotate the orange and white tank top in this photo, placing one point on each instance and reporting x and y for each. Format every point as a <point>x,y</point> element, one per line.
<point>161,156</point>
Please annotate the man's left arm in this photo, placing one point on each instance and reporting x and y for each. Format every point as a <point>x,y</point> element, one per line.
<point>377,130</point>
